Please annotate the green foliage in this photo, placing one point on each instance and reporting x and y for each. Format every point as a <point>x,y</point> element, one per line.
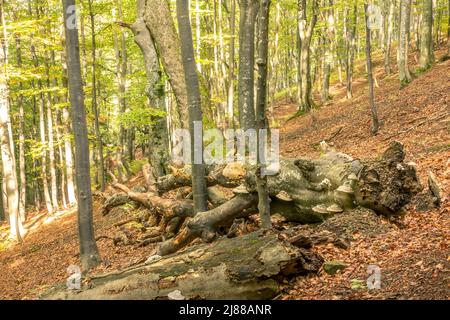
<point>285,93</point>
<point>139,116</point>
<point>136,165</point>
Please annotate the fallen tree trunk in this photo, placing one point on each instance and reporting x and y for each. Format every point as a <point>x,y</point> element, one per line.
<point>230,175</point>
<point>305,191</point>
<point>246,267</point>
<point>205,224</point>
<point>309,191</point>
<point>172,212</point>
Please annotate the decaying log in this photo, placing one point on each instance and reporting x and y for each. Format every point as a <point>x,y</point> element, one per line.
<point>173,212</point>
<point>304,191</point>
<point>336,182</point>
<point>246,267</point>
<point>226,175</point>
<point>116,200</point>
<point>310,191</point>
<point>204,224</point>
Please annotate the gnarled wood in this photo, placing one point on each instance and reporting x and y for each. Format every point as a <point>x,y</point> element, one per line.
<point>309,191</point>
<point>238,268</point>
<point>305,191</point>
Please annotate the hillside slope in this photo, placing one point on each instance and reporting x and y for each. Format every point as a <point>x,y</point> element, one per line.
<point>413,259</point>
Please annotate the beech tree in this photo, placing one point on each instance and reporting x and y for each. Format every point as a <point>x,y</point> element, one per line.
<point>246,98</point>
<point>89,255</point>
<point>426,35</point>
<point>261,107</point>
<point>402,52</point>
<point>10,183</point>
<point>306,28</point>
<point>194,103</point>
<point>134,84</point>
<point>373,108</point>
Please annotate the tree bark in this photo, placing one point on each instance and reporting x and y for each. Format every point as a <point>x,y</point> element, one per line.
<point>47,198</point>
<point>59,139</point>
<point>71,199</point>
<point>161,25</point>
<point>247,267</point>
<point>121,73</point>
<point>159,142</point>
<point>51,144</point>
<point>22,167</point>
<point>426,38</point>
<point>231,65</point>
<point>328,56</point>
<point>404,73</point>
<point>10,184</point>
<point>95,110</point>
<point>194,103</point>
<point>261,120</point>
<point>88,248</point>
<point>310,191</point>
<point>373,108</point>
<point>246,101</point>
<point>350,47</point>
<point>390,26</point>
<point>305,32</point>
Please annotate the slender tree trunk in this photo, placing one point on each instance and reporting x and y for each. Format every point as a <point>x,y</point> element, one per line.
<point>404,73</point>
<point>10,185</point>
<point>198,35</point>
<point>350,47</point>
<point>51,145</point>
<point>373,108</point>
<point>67,131</point>
<point>305,31</point>
<point>390,25</point>
<point>231,64</point>
<point>89,255</point>
<point>22,168</point>
<point>261,120</point>
<point>195,111</point>
<point>426,38</point>
<point>95,108</point>
<point>84,66</point>
<point>438,12</point>
<point>275,69</point>
<point>121,71</point>
<point>328,36</point>
<point>59,139</point>
<point>246,101</point>
<point>69,159</point>
<point>300,29</point>
<point>48,200</point>
<point>223,70</point>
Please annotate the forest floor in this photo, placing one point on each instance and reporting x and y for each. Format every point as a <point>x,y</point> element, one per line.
<point>413,257</point>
